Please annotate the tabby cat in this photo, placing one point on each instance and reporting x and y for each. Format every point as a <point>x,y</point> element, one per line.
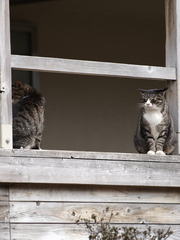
<point>28,116</point>
<point>155,133</point>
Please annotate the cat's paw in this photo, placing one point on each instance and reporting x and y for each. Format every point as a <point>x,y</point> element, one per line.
<point>151,152</point>
<point>160,153</point>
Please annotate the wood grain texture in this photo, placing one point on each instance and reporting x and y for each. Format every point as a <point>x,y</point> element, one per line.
<point>173,60</point>
<point>85,171</point>
<point>48,232</point>
<point>5,78</point>
<point>88,193</point>
<point>4,231</point>
<point>4,193</point>
<point>53,212</point>
<point>68,231</point>
<point>4,212</point>
<point>108,69</point>
<point>60,154</point>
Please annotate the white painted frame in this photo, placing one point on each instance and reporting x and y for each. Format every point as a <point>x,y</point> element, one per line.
<point>171,72</point>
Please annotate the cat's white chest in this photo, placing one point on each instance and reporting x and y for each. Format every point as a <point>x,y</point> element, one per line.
<point>154,118</point>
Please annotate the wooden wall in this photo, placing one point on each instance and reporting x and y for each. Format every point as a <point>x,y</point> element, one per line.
<point>43,193</point>
<point>37,211</point>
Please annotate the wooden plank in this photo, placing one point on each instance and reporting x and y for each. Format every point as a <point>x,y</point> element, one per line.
<point>4,192</point>
<point>48,232</point>
<point>53,212</point>
<point>68,231</point>
<point>4,212</point>
<point>173,60</point>
<point>84,171</point>
<point>87,155</point>
<point>108,69</point>
<point>5,78</point>
<point>84,193</point>
<point>4,231</point>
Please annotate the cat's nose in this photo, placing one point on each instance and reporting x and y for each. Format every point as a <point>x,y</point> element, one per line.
<point>148,103</point>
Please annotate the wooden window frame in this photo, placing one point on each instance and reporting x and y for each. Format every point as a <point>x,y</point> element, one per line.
<point>170,73</point>
<point>31,29</point>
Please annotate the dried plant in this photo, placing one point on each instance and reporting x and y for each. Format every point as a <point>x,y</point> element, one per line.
<point>99,229</point>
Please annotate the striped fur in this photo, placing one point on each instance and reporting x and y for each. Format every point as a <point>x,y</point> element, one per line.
<point>28,116</point>
<point>155,132</point>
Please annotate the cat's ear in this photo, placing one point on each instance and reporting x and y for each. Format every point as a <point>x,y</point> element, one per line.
<point>141,91</point>
<point>18,84</point>
<point>162,91</point>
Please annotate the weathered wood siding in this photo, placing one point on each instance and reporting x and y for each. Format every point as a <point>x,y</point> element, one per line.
<point>56,167</point>
<point>50,212</point>
<point>4,213</point>
<point>38,209</point>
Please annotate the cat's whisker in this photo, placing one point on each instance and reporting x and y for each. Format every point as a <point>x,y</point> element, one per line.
<point>138,106</point>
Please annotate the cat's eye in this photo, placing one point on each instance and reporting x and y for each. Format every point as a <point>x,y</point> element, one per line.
<point>143,100</point>
<point>153,100</point>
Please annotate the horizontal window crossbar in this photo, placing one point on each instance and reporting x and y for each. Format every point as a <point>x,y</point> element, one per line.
<point>108,69</point>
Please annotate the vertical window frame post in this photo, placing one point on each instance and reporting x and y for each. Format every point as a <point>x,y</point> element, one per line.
<point>5,78</point>
<point>172,8</point>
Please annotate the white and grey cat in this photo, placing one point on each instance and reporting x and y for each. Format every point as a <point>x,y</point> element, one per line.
<point>155,134</point>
